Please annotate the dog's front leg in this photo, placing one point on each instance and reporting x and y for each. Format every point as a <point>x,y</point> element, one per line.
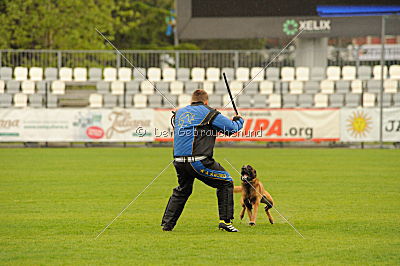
<point>254,213</point>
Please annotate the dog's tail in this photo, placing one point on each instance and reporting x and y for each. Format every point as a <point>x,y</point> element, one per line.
<point>237,189</point>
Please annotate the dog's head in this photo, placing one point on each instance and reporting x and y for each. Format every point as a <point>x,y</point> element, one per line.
<point>248,173</point>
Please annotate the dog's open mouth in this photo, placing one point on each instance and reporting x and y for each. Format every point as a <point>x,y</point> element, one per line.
<point>248,173</point>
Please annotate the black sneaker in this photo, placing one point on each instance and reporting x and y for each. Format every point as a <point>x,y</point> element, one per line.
<point>166,227</point>
<point>228,227</point>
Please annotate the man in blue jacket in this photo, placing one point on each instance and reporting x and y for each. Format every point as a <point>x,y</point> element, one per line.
<point>196,127</point>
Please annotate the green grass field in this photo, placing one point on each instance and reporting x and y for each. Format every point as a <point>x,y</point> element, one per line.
<point>53,203</point>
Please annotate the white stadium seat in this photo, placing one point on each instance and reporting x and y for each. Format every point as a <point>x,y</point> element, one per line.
<point>117,87</point>
<point>110,74</point>
<point>21,73</point>
<point>213,74</point>
<point>333,73</point>
<point>390,85</point>
<point>296,87</point>
<point>287,73</point>
<point>236,87</point>
<point>377,72</point>
<point>303,73</point>
<point>140,101</point>
<point>368,100</point>
<point>154,74</point>
<point>146,87</point>
<point>124,74</point>
<point>95,100</point>
<point>65,74</point>
<point>28,87</point>
<point>394,71</point>
<point>274,101</point>
<point>356,86</point>
<point>266,87</point>
<point>58,87</point>
<point>198,74</point>
<point>183,100</point>
<point>321,100</point>
<point>327,86</point>
<point>208,86</point>
<point>349,72</point>
<point>176,87</point>
<point>80,74</point>
<point>242,74</point>
<point>2,86</point>
<point>20,100</point>
<point>36,73</point>
<point>169,74</point>
<point>257,73</point>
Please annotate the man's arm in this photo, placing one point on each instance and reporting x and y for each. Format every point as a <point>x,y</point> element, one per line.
<point>226,126</point>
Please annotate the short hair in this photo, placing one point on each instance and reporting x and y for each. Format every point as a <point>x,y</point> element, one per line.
<point>200,96</point>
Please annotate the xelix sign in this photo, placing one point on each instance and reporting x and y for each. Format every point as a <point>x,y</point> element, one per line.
<point>291,26</point>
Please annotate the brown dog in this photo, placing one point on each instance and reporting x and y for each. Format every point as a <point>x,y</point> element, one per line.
<point>253,193</point>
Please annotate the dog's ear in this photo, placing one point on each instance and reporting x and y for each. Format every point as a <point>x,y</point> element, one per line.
<point>255,173</point>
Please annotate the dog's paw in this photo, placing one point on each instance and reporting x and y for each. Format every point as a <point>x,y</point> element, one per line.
<point>252,223</point>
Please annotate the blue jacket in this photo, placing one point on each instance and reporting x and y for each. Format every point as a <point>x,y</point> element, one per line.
<point>196,127</point>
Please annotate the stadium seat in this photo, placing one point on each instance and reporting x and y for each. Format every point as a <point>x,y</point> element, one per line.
<point>236,87</point>
<point>353,100</point>
<point>266,87</point>
<point>80,74</point>
<point>396,100</point>
<point>41,87</point>
<point>117,88</point>
<point>190,87</point>
<point>184,99</point>
<point>162,87</point>
<point>251,88</point>
<point>52,101</point>
<point>317,73</point>
<point>349,73</point>
<point>6,73</point>
<point>320,100</point>
<point>20,100</point>
<point>390,86</point>
<point>2,86</point>
<point>274,101</point>
<point>51,73</point>
<point>287,73</point>
<point>36,73</point>
<point>110,101</point>
<point>302,73</point>
<point>282,87</point>
<point>20,73</point>
<point>103,87</point>
<point>5,100</point>
<point>260,101</point>
<point>242,74</point>
<point>305,100</point>
<point>336,100</point>
<point>139,74</point>
<point>171,98</point>
<point>36,100</point>
<point>226,101</point>
<point>95,74</point>
<point>377,72</point>
<point>169,74</point>
<point>229,72</point>
<point>343,86</point>
<point>333,73</point>
<point>387,100</point>
<point>289,100</point>
<point>257,74</point>
<point>296,87</point>
<point>140,101</point>
<point>65,74</point>
<point>28,87</point>
<point>215,101</point>
<point>124,74</point>
<point>58,87</point>
<point>394,71</point>
<point>244,101</point>
<point>198,74</point>
<point>311,87</point>
<point>155,101</point>
<point>208,86</point>
<point>95,100</point>
<point>272,74</point>
<point>327,86</point>
<point>220,87</point>
<point>374,86</point>
<point>183,74</point>
<point>146,87</point>
<point>364,72</point>
<point>128,101</point>
<point>176,87</point>
<point>369,100</point>
<point>213,74</point>
<point>356,86</point>
<point>110,74</point>
<point>132,87</point>
<point>13,86</point>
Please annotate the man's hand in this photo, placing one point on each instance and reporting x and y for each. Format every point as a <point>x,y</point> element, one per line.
<point>237,117</point>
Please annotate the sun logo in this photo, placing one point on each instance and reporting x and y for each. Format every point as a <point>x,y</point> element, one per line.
<point>359,124</point>
<point>185,119</point>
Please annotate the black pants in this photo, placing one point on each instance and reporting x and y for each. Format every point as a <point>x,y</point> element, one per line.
<point>212,174</point>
